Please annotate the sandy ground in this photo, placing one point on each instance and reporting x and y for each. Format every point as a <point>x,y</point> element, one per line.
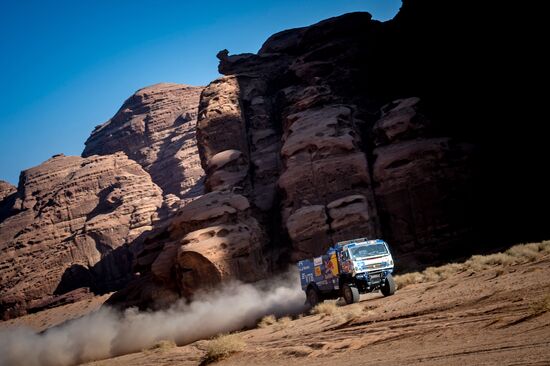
<point>488,318</point>
<point>51,317</point>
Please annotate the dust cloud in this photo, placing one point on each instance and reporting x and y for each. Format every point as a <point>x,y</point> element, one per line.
<point>108,333</point>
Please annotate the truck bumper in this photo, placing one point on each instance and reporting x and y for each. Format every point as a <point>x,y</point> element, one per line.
<point>371,281</point>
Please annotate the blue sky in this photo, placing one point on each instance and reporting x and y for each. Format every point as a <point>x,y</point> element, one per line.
<point>67,66</point>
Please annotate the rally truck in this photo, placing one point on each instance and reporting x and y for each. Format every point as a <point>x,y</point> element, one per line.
<point>348,269</point>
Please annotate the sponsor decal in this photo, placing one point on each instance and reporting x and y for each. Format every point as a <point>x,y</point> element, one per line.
<point>333,264</point>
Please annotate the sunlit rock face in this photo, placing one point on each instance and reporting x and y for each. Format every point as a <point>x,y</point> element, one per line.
<point>69,226</point>
<point>156,128</point>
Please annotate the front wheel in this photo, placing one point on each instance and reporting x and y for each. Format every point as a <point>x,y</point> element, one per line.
<point>388,288</point>
<point>351,293</point>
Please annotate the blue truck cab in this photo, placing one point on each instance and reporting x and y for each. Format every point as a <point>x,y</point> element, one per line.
<point>348,269</point>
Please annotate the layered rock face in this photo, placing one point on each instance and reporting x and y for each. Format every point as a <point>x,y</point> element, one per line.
<point>220,235</point>
<point>75,224</point>
<point>156,128</point>
<point>302,145</point>
<point>6,189</point>
<point>327,190</point>
<point>69,226</point>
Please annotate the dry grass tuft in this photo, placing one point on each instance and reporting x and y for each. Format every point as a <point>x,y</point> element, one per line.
<point>267,321</point>
<point>350,312</point>
<point>542,306</point>
<point>529,252</point>
<point>278,324</point>
<point>222,347</point>
<point>338,313</point>
<point>283,323</point>
<point>162,345</point>
<point>408,279</point>
<point>521,253</point>
<point>480,262</point>
<point>325,308</point>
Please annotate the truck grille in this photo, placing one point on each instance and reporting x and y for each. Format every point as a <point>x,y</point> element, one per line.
<point>375,277</point>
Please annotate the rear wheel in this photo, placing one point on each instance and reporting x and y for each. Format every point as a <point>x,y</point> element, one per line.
<point>350,293</point>
<point>313,296</point>
<point>388,288</point>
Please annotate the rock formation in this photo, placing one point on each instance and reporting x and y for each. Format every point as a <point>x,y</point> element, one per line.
<point>69,227</point>
<point>347,128</point>
<point>300,151</point>
<point>423,181</point>
<point>156,128</point>
<point>75,218</point>
<point>211,239</point>
<point>341,172</point>
<point>6,189</point>
<point>219,235</point>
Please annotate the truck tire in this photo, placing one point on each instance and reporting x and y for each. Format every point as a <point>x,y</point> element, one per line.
<point>388,288</point>
<point>313,296</point>
<point>350,293</point>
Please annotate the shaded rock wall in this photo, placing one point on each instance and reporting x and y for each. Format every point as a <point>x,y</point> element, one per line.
<point>423,184</point>
<point>348,165</point>
<point>69,226</point>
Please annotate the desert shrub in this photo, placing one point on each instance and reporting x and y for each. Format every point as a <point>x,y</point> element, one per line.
<point>529,252</point>
<point>283,323</point>
<point>162,345</point>
<point>338,313</point>
<point>480,262</point>
<point>270,320</point>
<point>443,272</point>
<point>408,279</point>
<point>520,253</point>
<point>350,312</point>
<point>325,308</point>
<point>430,274</point>
<point>267,321</point>
<point>222,347</point>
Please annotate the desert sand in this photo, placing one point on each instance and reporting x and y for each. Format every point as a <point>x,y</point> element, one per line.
<point>497,316</point>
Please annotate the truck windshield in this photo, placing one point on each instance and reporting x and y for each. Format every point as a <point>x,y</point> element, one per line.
<point>370,250</point>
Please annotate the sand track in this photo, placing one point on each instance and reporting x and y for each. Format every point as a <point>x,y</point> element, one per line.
<point>484,317</point>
